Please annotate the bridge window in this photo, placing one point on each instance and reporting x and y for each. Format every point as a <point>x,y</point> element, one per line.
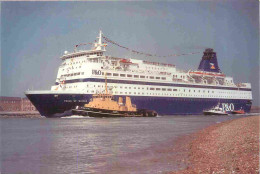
<point>129,75</point>
<point>136,76</point>
<point>163,78</point>
<point>115,74</point>
<point>122,75</point>
<point>142,77</point>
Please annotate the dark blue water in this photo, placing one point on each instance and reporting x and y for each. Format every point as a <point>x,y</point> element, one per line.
<point>92,145</point>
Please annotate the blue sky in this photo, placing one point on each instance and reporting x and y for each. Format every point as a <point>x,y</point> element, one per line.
<point>35,34</point>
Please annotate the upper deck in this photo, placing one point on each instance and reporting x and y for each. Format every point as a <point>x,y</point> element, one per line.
<point>84,64</point>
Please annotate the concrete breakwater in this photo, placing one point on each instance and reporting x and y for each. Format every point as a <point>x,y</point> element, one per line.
<point>24,114</point>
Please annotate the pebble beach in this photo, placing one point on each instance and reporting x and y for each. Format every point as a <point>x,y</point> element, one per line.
<point>228,147</point>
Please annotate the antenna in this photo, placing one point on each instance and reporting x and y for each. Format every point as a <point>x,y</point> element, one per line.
<point>100,37</point>
<point>106,81</point>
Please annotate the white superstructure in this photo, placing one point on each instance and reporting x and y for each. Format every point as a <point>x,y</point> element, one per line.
<point>83,71</point>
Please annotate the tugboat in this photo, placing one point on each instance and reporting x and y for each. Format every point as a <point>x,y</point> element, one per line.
<point>240,111</point>
<point>103,105</point>
<point>215,111</point>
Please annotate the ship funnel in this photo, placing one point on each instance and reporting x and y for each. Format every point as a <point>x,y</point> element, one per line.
<point>209,61</point>
<point>120,100</point>
<point>128,102</point>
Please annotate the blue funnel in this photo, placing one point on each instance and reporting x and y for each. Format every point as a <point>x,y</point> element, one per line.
<point>209,61</point>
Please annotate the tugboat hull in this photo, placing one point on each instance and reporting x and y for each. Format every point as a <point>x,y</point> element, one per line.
<point>94,112</point>
<point>238,112</point>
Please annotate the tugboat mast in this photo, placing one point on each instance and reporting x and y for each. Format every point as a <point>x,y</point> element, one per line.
<point>106,81</point>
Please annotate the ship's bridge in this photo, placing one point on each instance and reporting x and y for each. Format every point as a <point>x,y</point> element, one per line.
<point>98,48</point>
<point>87,53</point>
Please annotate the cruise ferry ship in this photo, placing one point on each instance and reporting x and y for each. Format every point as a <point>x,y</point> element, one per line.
<point>151,85</point>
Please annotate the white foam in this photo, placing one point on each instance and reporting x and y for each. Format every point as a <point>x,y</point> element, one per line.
<point>77,116</point>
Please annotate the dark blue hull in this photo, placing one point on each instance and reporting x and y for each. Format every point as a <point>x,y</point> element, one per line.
<point>58,105</point>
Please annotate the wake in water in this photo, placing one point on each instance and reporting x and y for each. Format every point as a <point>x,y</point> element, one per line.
<point>77,116</point>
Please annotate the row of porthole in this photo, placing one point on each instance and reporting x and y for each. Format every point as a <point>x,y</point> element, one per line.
<point>169,89</point>
<point>72,74</point>
<point>158,94</point>
<point>135,76</point>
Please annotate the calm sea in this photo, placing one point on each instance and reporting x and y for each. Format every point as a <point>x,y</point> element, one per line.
<point>92,145</point>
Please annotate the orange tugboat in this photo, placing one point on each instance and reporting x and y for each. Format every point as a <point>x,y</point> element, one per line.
<point>240,111</point>
<point>103,105</point>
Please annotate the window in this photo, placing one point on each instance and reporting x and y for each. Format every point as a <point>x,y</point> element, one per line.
<point>129,75</point>
<point>122,75</point>
<point>157,77</point>
<point>163,89</point>
<point>174,89</point>
<point>109,74</point>
<point>151,88</point>
<point>151,77</point>
<point>163,78</point>
<point>142,77</point>
<point>136,76</point>
<point>115,74</point>
<point>169,89</point>
<point>158,89</point>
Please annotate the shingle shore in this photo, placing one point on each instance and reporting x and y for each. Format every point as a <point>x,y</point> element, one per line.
<point>228,147</point>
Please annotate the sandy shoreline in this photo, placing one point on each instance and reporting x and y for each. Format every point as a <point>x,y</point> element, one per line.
<point>228,147</point>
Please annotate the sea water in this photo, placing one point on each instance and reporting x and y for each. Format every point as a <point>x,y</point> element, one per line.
<point>93,145</point>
